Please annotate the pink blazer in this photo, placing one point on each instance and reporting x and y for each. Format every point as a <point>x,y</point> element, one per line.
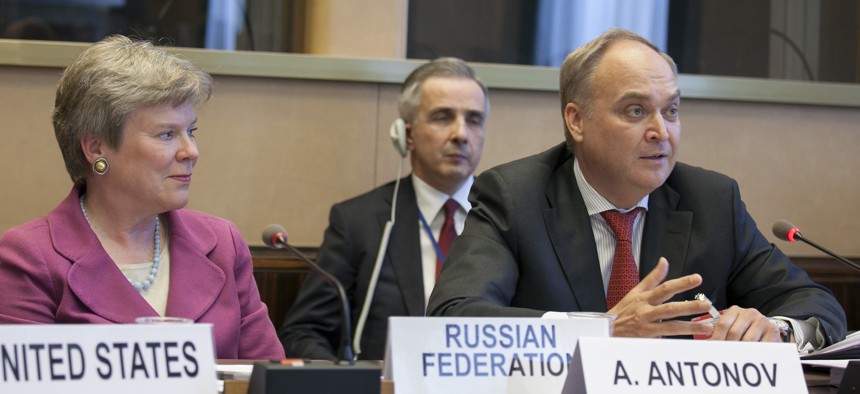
<point>54,270</point>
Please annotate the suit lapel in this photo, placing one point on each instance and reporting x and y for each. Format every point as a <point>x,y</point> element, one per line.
<point>404,249</point>
<point>570,231</point>
<point>195,281</point>
<point>667,233</point>
<point>94,278</point>
<point>100,285</point>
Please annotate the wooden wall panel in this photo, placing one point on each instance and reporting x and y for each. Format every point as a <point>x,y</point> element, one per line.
<point>280,274</point>
<point>284,150</point>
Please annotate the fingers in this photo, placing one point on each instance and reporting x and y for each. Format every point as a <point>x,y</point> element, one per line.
<point>678,327</point>
<point>669,288</point>
<point>661,291</point>
<point>653,322</point>
<point>745,324</point>
<point>655,277</point>
<point>661,329</point>
<point>642,312</point>
<point>651,290</point>
<point>672,310</point>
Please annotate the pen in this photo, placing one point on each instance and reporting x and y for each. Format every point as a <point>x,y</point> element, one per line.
<point>713,311</point>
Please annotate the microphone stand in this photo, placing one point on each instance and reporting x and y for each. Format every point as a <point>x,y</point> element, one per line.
<point>799,236</point>
<point>307,376</point>
<point>345,355</point>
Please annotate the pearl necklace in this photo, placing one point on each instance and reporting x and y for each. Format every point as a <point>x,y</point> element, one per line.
<point>139,286</point>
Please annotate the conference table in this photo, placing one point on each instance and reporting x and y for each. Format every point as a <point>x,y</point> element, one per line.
<point>817,382</point>
<point>241,386</point>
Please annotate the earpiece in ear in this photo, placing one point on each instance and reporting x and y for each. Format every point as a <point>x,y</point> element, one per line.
<point>398,136</point>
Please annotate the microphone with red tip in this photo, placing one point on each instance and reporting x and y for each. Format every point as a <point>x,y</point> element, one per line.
<point>784,230</point>
<point>274,236</point>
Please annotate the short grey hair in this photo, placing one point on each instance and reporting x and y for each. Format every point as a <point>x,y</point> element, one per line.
<point>446,67</point>
<point>578,69</point>
<point>109,80</point>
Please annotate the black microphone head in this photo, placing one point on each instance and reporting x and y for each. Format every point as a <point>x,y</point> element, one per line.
<point>274,236</point>
<point>784,230</point>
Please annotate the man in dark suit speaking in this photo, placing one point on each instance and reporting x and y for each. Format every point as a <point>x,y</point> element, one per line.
<point>610,222</point>
<point>443,107</point>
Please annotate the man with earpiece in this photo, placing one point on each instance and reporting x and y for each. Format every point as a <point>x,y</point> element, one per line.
<point>443,107</point>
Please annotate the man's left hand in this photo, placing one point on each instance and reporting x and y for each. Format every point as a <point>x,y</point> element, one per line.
<point>742,324</point>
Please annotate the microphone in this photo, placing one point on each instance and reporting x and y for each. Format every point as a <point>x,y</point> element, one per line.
<point>274,236</point>
<point>784,230</point>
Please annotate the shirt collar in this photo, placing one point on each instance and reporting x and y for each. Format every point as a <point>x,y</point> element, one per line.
<point>430,200</point>
<point>594,202</point>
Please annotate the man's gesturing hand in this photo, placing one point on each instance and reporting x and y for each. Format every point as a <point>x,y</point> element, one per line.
<point>641,313</point>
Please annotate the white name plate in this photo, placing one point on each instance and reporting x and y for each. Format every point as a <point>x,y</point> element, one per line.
<point>484,355</point>
<point>107,358</point>
<point>632,365</point>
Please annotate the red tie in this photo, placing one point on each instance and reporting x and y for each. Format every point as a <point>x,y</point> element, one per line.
<point>448,233</point>
<point>625,275</point>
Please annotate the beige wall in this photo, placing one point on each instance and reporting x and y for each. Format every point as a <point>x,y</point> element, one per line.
<point>278,150</point>
<point>367,28</point>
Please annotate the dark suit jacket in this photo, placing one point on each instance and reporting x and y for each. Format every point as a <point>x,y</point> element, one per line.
<point>528,248</point>
<point>312,327</point>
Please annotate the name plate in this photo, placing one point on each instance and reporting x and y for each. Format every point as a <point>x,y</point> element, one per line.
<point>632,365</point>
<point>484,355</point>
<point>107,358</point>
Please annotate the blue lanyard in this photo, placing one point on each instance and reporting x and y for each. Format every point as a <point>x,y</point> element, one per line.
<point>432,238</point>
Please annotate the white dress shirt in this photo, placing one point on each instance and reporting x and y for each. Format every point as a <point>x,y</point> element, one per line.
<point>430,203</point>
<point>603,235</point>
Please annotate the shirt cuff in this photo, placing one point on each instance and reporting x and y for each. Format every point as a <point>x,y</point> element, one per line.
<point>807,333</point>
